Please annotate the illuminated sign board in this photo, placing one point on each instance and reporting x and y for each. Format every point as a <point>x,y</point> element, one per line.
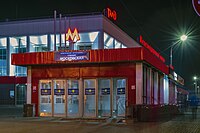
<point>73,91</point>
<point>180,80</point>
<point>89,91</point>
<point>59,91</point>
<point>196,6</point>
<point>175,76</point>
<point>72,36</point>
<point>45,91</point>
<point>105,91</point>
<point>71,56</point>
<point>120,91</point>
<point>111,14</point>
<point>153,51</point>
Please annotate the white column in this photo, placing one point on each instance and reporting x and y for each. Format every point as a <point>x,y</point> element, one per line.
<point>176,92</point>
<point>149,87</point>
<point>28,94</point>
<point>166,90</point>
<point>139,83</point>
<point>161,89</point>
<point>155,88</point>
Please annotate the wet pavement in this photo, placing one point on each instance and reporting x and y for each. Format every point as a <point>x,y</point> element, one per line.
<point>180,124</point>
<point>12,121</point>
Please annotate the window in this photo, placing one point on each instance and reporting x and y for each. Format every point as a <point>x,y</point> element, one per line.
<point>88,38</point>
<point>85,47</point>
<point>63,48</point>
<point>88,41</point>
<point>18,45</point>
<point>144,85</point>
<point>21,50</point>
<point>3,64</point>
<point>110,42</point>
<point>3,57</point>
<point>38,43</point>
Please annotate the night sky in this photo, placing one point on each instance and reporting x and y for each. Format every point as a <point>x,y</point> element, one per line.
<point>160,22</point>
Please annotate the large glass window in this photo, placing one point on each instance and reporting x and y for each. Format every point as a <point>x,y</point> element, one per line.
<point>110,42</point>
<point>87,41</point>
<point>17,45</point>
<point>63,43</point>
<point>117,44</point>
<point>3,57</point>
<point>147,85</point>
<point>38,43</point>
<point>123,46</point>
<point>144,85</point>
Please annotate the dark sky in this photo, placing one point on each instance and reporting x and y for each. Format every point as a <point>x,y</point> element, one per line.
<point>160,22</point>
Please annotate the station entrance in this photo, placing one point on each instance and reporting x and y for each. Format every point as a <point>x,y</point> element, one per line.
<point>88,98</point>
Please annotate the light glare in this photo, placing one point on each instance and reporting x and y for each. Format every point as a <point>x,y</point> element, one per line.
<point>183,37</point>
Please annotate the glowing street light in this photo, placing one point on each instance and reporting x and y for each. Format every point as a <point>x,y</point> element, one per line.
<point>196,87</point>
<point>182,38</point>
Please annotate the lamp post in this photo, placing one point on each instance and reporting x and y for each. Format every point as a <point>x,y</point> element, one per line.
<point>182,38</point>
<point>195,84</point>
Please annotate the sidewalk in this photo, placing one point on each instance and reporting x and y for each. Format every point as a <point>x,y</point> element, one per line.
<point>11,111</point>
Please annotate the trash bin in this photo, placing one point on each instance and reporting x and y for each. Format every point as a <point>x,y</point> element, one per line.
<point>28,110</point>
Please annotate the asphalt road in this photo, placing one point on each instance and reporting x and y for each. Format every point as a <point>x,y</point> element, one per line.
<point>180,124</point>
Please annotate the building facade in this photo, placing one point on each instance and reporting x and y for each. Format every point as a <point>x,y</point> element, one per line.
<point>81,66</point>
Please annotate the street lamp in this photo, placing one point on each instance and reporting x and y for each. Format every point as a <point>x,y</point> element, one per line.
<point>182,38</point>
<point>195,84</point>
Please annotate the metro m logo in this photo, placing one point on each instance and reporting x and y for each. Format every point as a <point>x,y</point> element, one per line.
<point>111,14</point>
<point>74,37</point>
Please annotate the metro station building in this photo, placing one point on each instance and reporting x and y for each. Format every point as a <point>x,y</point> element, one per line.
<point>80,66</point>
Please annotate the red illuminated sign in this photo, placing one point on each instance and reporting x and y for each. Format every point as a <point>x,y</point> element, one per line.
<point>146,45</point>
<point>196,6</point>
<point>111,14</point>
<point>72,36</point>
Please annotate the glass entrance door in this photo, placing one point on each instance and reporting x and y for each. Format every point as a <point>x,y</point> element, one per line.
<point>20,94</point>
<point>45,108</point>
<point>89,98</point>
<point>104,92</point>
<point>59,97</point>
<point>119,97</point>
<point>73,98</point>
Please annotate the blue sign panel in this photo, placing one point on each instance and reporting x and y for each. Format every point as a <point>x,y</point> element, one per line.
<point>120,91</point>
<point>105,91</point>
<point>73,91</point>
<point>45,91</point>
<point>59,92</point>
<point>71,56</point>
<point>89,91</point>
